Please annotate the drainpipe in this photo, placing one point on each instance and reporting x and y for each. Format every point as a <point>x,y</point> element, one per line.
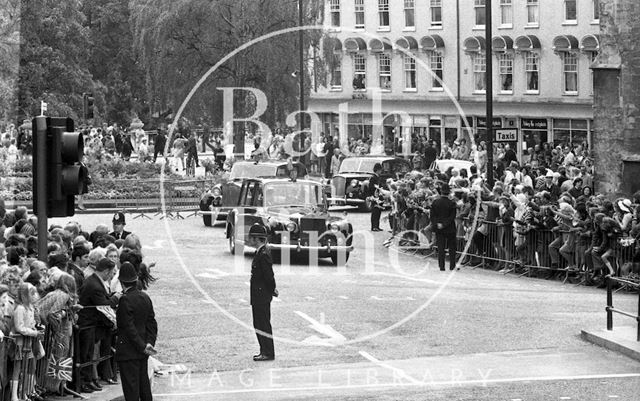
<point>458,49</point>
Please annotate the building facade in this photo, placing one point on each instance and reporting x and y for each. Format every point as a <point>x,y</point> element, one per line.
<point>421,64</point>
<point>617,100</point>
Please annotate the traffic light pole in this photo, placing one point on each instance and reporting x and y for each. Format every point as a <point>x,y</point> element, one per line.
<point>40,134</point>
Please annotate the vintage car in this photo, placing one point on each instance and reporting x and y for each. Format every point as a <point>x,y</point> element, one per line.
<point>217,201</point>
<point>349,186</point>
<point>443,164</point>
<point>295,214</point>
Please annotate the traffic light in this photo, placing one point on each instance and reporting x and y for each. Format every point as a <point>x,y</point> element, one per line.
<point>63,176</point>
<point>88,105</point>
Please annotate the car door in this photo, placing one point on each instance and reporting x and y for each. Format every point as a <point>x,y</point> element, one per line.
<point>251,203</point>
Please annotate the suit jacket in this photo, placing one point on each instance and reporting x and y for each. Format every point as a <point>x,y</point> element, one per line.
<point>443,210</point>
<point>263,283</point>
<point>92,293</point>
<point>123,236</point>
<point>137,325</point>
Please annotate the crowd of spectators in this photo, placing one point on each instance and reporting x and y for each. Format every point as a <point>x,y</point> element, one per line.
<point>75,292</point>
<point>542,215</point>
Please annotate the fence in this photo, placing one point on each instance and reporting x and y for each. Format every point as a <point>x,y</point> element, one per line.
<point>611,309</point>
<point>141,197</point>
<point>494,245</point>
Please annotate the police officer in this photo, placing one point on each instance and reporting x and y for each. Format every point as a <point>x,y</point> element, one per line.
<point>118,226</point>
<point>443,218</point>
<point>263,288</point>
<point>376,207</point>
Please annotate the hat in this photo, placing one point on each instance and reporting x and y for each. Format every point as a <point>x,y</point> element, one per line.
<point>128,273</point>
<point>27,230</point>
<point>118,218</point>
<point>445,189</point>
<point>105,264</point>
<point>625,205</point>
<point>258,231</point>
<point>549,174</point>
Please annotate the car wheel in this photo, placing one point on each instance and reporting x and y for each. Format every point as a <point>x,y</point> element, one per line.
<point>206,219</point>
<point>334,258</point>
<point>232,240</point>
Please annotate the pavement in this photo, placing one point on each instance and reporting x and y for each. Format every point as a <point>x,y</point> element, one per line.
<point>388,326</point>
<point>622,339</point>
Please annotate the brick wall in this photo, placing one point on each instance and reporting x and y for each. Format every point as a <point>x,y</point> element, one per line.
<point>616,136</point>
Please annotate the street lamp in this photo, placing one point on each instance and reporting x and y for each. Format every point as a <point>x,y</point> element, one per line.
<point>489,91</point>
<point>301,73</point>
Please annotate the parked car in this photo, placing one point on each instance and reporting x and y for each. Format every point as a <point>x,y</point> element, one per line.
<point>444,164</point>
<point>349,186</point>
<point>217,201</point>
<point>295,214</point>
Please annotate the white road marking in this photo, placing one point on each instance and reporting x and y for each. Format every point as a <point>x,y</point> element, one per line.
<point>244,301</point>
<point>565,398</point>
<point>374,386</point>
<point>377,298</point>
<point>309,298</point>
<point>422,280</point>
<point>343,297</point>
<point>399,372</point>
<point>213,273</point>
<point>613,396</point>
<point>208,275</point>
<point>334,336</point>
<point>157,244</point>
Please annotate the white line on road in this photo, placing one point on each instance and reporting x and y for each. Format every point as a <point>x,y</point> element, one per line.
<point>334,336</point>
<point>401,373</point>
<point>422,280</point>
<point>309,298</point>
<point>343,297</point>
<point>613,396</point>
<point>375,386</point>
<point>377,298</point>
<point>244,301</point>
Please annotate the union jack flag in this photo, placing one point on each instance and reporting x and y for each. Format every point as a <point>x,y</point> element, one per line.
<point>60,368</point>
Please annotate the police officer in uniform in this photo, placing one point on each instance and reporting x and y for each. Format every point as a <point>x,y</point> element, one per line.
<point>443,218</point>
<point>263,288</point>
<point>376,207</point>
<point>118,226</point>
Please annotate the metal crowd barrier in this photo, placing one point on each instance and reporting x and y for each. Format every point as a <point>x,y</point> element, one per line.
<point>611,309</point>
<point>184,197</point>
<point>77,365</point>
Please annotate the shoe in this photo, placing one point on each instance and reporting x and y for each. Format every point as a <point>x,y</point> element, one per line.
<point>86,389</point>
<point>93,386</point>
<point>35,397</point>
<point>111,381</point>
<point>261,358</point>
<point>97,384</point>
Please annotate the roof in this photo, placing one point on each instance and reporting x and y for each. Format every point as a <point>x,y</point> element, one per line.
<point>271,180</point>
<point>267,162</point>
<point>380,158</point>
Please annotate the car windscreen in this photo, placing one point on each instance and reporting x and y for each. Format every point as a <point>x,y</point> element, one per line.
<point>358,165</point>
<point>292,194</point>
<point>250,170</point>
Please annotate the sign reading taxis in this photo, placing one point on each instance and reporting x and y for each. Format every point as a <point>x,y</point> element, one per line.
<point>506,134</point>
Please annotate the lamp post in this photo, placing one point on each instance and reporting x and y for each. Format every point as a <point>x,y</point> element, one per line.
<point>489,91</point>
<point>300,75</point>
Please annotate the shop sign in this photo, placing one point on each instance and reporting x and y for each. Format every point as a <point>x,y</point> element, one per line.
<point>482,122</point>
<point>533,123</point>
<point>506,135</point>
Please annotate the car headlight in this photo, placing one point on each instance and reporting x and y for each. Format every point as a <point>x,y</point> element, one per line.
<point>216,192</point>
<point>291,226</point>
<point>335,227</point>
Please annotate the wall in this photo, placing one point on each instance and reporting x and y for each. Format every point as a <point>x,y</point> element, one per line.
<point>617,97</point>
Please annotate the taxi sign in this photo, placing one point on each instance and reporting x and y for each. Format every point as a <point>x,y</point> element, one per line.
<point>506,134</point>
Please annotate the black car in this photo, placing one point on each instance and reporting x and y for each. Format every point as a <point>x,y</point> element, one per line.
<point>295,214</point>
<point>349,186</point>
<point>216,202</point>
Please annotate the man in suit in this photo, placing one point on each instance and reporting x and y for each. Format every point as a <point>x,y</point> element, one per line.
<point>118,227</point>
<point>159,144</point>
<point>376,209</point>
<point>94,325</point>
<point>263,288</point>
<point>443,218</point>
<point>137,333</point>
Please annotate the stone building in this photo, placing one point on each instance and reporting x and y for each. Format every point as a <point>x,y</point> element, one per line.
<point>616,136</point>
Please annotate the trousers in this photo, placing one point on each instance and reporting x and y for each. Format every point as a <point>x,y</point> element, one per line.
<point>262,321</point>
<point>135,380</point>
<point>446,241</point>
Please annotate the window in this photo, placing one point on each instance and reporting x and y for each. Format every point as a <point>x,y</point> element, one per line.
<point>409,72</point>
<point>570,10</point>
<point>567,131</point>
<point>479,72</point>
<point>506,13</point>
<point>334,8</point>
<point>336,72</point>
<point>359,5</point>
<point>532,13</point>
<point>596,10</point>
<point>570,73</point>
<point>478,6</point>
<point>531,63</point>
<point>436,13</point>
<point>435,60</point>
<point>359,72</point>
<point>383,13</point>
<point>506,72</point>
<point>384,68</point>
<point>409,13</point>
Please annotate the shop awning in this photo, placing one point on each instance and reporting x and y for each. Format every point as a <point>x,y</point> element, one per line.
<point>501,44</point>
<point>431,43</point>
<point>590,43</point>
<point>407,43</point>
<point>473,44</point>
<point>353,45</point>
<point>526,43</point>
<point>565,43</point>
<point>333,44</point>
<point>379,45</point>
